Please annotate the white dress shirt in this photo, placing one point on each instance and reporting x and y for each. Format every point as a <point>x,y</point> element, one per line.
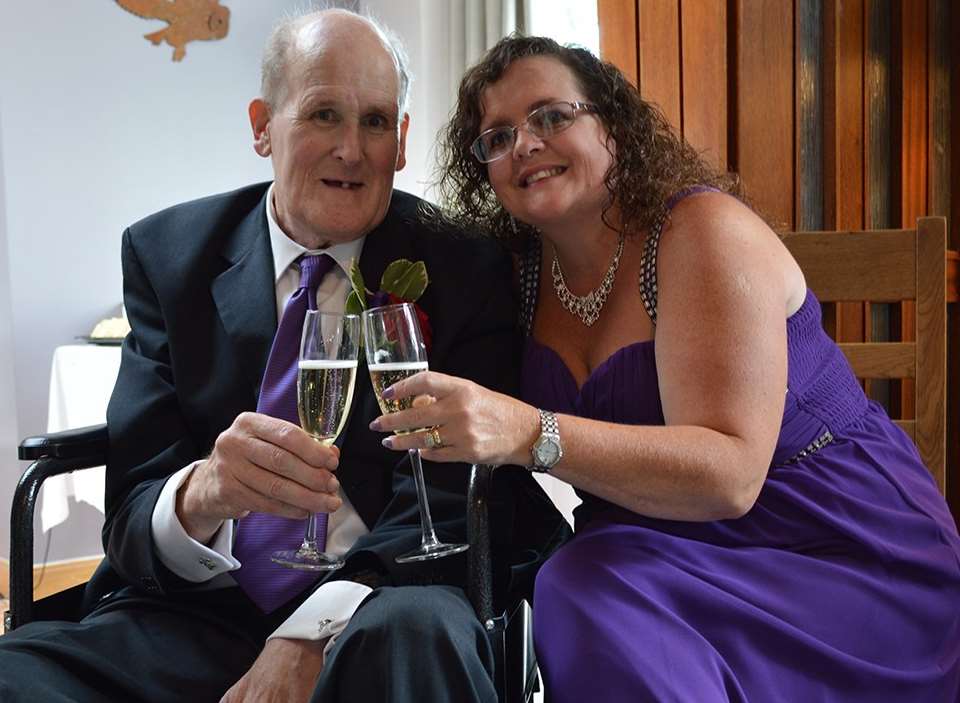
<point>328,610</point>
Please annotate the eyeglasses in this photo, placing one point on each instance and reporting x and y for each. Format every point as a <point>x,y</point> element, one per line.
<point>544,122</point>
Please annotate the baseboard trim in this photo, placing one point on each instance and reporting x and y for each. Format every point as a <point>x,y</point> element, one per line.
<point>55,577</point>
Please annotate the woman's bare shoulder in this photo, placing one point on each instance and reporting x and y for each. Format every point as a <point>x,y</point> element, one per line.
<point>716,236</point>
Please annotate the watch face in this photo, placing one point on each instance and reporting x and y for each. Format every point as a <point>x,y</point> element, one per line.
<point>548,452</point>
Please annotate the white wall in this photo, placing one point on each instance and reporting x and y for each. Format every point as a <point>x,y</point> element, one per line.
<point>8,407</point>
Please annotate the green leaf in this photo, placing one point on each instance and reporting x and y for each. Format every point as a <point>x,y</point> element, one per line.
<point>354,304</point>
<point>357,300</point>
<point>405,279</point>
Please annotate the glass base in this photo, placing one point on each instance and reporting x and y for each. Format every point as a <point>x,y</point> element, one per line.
<point>427,552</point>
<point>306,560</point>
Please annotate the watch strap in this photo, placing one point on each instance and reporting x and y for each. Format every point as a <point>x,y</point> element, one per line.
<point>548,423</point>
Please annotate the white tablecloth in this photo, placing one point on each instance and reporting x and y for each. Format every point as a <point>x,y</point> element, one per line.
<point>82,377</point>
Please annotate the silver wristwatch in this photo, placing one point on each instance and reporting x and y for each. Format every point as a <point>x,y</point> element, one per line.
<point>547,451</point>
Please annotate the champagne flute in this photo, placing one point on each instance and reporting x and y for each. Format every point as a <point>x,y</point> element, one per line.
<point>395,351</point>
<point>326,372</point>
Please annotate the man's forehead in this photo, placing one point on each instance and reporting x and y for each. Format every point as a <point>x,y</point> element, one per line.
<point>345,38</point>
<point>333,71</point>
<point>371,76</point>
<point>320,90</point>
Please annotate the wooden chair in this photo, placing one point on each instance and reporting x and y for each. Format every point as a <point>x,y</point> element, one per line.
<point>888,266</point>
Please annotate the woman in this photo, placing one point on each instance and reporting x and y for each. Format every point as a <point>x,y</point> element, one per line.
<point>752,528</point>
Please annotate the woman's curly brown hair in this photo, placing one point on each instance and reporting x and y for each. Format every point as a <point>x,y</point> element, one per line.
<point>650,162</point>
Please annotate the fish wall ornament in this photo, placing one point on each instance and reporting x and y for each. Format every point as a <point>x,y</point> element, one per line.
<point>187,20</point>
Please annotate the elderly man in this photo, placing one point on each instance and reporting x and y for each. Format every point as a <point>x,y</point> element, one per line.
<point>200,474</point>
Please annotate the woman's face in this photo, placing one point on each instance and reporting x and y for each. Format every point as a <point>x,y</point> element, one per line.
<point>552,182</point>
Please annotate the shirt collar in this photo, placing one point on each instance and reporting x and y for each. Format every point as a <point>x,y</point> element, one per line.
<point>286,251</point>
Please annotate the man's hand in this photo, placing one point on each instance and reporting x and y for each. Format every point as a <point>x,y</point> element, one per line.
<point>286,671</point>
<point>259,464</point>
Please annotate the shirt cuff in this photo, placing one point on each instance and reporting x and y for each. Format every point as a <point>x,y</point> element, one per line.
<point>325,613</point>
<point>178,551</point>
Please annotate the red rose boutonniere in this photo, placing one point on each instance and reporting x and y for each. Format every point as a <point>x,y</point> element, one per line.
<point>403,281</point>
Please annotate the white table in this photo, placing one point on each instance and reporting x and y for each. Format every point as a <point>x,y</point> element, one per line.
<point>82,377</point>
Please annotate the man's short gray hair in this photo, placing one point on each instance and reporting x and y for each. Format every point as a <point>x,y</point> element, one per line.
<point>278,53</point>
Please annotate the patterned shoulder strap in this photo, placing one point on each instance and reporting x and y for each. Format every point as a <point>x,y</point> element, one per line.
<point>648,262</point>
<point>648,266</point>
<point>529,284</point>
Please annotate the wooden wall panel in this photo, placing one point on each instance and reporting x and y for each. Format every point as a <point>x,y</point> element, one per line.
<point>808,122</point>
<point>659,56</point>
<point>618,34</point>
<point>953,237</point>
<point>843,171</point>
<point>912,55</point>
<point>703,77</point>
<point>953,223</point>
<point>763,128</point>
<point>879,163</point>
<point>843,147</point>
<point>938,109</point>
<point>911,48</point>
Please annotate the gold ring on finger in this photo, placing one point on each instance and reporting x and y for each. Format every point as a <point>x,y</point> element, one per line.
<point>433,440</point>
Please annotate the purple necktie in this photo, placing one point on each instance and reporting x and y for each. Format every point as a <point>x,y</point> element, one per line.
<point>270,585</point>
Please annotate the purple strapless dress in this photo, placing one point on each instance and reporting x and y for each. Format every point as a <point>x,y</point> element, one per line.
<point>842,583</point>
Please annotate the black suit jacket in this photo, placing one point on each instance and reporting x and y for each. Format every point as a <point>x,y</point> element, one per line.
<point>199,293</point>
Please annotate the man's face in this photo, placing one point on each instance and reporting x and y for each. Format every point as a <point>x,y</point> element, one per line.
<point>336,140</point>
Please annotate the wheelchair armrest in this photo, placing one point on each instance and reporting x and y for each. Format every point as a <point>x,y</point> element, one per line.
<point>479,566</point>
<point>510,632</point>
<point>53,454</point>
<point>84,441</point>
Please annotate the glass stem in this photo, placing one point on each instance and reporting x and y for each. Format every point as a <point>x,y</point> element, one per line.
<point>309,545</point>
<point>426,523</point>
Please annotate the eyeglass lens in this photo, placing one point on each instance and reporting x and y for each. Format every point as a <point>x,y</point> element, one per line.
<point>543,122</point>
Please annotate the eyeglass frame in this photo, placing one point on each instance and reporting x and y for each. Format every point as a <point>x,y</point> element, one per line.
<point>578,108</point>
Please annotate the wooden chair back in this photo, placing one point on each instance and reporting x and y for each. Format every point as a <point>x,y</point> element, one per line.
<point>887,266</point>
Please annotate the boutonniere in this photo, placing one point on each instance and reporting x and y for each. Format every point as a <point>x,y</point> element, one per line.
<point>403,281</point>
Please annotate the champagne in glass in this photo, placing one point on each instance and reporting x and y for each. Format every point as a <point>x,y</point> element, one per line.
<point>395,351</point>
<point>324,396</point>
<point>382,376</point>
<point>326,372</point>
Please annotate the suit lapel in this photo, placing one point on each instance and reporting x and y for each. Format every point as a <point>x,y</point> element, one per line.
<point>386,243</point>
<point>245,294</point>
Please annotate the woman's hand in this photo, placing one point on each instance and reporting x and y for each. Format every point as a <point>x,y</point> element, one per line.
<point>475,425</point>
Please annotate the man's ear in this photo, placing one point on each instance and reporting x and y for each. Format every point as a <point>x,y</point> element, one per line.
<point>402,151</point>
<point>259,113</point>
